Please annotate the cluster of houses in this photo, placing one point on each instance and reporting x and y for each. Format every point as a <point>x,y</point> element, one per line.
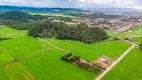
<point>119,24</point>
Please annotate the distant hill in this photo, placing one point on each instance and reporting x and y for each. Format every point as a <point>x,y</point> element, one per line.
<point>15,15</point>
<point>37,9</point>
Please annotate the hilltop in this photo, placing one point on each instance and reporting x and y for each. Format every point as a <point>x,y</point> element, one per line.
<point>38,9</point>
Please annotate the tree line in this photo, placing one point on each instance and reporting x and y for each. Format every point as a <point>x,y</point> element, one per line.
<point>23,16</point>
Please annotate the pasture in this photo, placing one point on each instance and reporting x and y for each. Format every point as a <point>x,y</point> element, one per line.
<point>127,69</point>
<point>135,33</point>
<point>6,32</point>
<point>51,14</point>
<point>40,60</point>
<point>91,52</point>
<point>28,58</point>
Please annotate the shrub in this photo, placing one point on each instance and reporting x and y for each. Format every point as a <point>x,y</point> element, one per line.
<point>140,47</point>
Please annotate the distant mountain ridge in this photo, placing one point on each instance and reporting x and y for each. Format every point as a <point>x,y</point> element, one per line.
<point>38,9</point>
<point>116,9</point>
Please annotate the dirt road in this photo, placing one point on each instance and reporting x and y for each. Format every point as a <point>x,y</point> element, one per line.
<point>118,60</point>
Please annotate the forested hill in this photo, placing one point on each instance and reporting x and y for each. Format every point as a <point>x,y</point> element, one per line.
<point>36,9</point>
<point>24,16</point>
<point>15,15</point>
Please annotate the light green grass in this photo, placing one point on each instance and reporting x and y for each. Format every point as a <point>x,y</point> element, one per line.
<point>4,58</point>
<point>51,14</point>
<point>43,66</point>
<point>128,69</point>
<point>135,33</point>
<point>12,71</point>
<point>23,46</point>
<point>7,32</point>
<point>91,52</point>
<point>48,66</point>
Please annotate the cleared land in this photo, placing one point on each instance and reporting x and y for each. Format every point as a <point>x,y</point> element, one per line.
<point>128,69</point>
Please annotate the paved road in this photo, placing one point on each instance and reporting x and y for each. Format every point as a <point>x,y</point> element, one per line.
<point>119,59</point>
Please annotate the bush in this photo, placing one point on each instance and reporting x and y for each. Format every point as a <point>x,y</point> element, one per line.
<point>140,47</point>
<point>74,58</point>
<point>1,39</point>
<point>67,57</point>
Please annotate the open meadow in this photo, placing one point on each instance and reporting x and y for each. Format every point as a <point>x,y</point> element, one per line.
<point>135,34</point>
<point>28,58</point>
<point>6,32</point>
<point>127,69</point>
<point>51,14</point>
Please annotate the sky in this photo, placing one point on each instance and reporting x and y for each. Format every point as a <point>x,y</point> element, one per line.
<point>136,4</point>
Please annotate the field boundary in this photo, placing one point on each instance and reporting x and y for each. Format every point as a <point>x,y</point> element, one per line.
<point>25,71</point>
<point>16,63</point>
<point>49,43</point>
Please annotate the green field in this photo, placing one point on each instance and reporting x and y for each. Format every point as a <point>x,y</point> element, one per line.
<point>51,14</point>
<point>41,65</point>
<point>7,32</point>
<point>128,69</point>
<point>91,52</point>
<point>28,58</point>
<point>135,33</point>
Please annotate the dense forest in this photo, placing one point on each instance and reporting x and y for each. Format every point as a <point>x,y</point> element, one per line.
<point>35,9</point>
<point>23,25</point>
<point>23,16</point>
<point>59,30</point>
<point>14,15</point>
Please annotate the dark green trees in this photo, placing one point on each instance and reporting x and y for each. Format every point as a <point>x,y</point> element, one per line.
<point>140,47</point>
<point>59,30</point>
<point>15,15</point>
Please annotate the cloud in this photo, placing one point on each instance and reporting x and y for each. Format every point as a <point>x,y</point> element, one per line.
<point>137,4</point>
<point>112,3</point>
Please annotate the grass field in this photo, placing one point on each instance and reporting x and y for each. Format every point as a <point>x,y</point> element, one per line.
<point>28,58</point>
<point>41,65</point>
<point>12,71</point>
<point>128,69</point>
<point>7,32</point>
<point>51,14</point>
<point>47,64</point>
<point>91,52</point>
<point>135,33</point>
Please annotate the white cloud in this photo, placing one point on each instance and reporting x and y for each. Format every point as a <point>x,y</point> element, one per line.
<point>76,3</point>
<point>112,3</point>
